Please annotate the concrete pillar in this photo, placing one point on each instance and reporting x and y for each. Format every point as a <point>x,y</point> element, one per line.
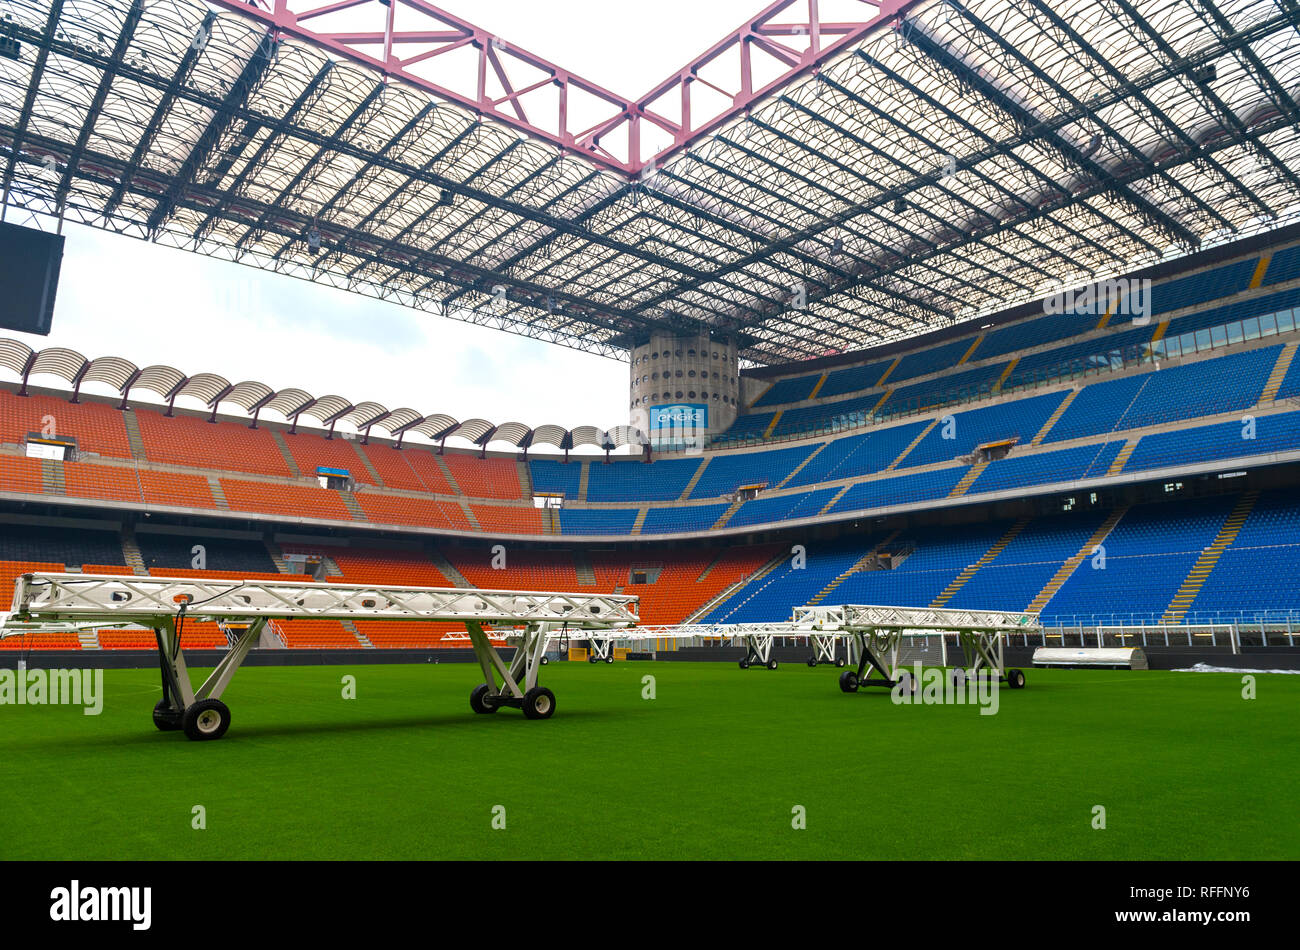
<point>684,388</point>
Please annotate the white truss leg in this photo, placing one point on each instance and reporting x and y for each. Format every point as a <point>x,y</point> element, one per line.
<point>758,651</point>
<point>518,685</point>
<point>602,651</point>
<point>824,649</point>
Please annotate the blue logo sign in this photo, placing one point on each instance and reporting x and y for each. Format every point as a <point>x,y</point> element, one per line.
<point>679,417</point>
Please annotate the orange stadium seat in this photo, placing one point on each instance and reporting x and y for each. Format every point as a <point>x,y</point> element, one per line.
<point>170,488</point>
<point>10,571</point>
<point>485,478</point>
<point>524,570</point>
<point>312,450</point>
<point>20,475</point>
<point>226,575</point>
<point>409,634</point>
<point>131,640</point>
<point>98,428</point>
<point>423,512</point>
<point>409,469</point>
<point>498,518</point>
<point>316,634</point>
<point>376,566</point>
<point>278,499</point>
<point>41,641</point>
<point>83,480</point>
<point>111,570</point>
<point>229,446</point>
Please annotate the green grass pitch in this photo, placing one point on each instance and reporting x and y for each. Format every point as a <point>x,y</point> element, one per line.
<point>712,767</point>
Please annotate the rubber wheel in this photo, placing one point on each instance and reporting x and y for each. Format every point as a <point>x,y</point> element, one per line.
<point>206,720</point>
<point>744,664</point>
<point>480,701</point>
<point>545,660</point>
<point>165,718</point>
<point>771,664</point>
<point>539,703</point>
<point>812,661</point>
<point>609,659</point>
<point>1016,679</point>
<point>591,658</point>
<point>841,662</point>
<point>849,681</point>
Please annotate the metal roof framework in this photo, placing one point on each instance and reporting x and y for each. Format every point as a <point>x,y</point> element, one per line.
<point>889,175</point>
<point>215,391</point>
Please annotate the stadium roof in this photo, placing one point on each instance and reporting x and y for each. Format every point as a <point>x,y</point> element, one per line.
<point>866,177</point>
<point>215,391</point>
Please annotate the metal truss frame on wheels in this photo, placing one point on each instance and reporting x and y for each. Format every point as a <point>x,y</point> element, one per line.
<point>878,634</point>
<point>163,604</point>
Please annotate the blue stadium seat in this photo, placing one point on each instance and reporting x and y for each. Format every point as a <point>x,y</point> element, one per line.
<point>1015,419</point>
<point>660,480</point>
<point>682,518</point>
<point>554,477</point>
<point>1064,465</point>
<point>597,520</point>
<point>922,486</point>
<point>727,472</point>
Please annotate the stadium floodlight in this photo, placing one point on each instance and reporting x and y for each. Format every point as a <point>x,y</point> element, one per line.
<point>164,604</point>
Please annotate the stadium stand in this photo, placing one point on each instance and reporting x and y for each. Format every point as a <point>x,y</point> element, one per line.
<point>164,552</point>
<point>311,451</point>
<point>415,511</point>
<point>682,519</point>
<point>96,427</point>
<point>555,478</point>
<point>794,389</point>
<point>962,432</point>
<point>597,520</point>
<point>410,469</point>
<point>61,545</point>
<point>21,475</point>
<point>484,478</point>
<point>660,480</point>
<point>727,472</point>
<point>276,498</point>
<point>222,446</point>
<point>1147,556</point>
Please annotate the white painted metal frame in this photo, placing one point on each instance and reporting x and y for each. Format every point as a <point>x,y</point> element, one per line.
<point>878,634</point>
<point>158,602</point>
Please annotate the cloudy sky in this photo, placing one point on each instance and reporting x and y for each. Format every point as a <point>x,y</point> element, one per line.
<point>152,304</point>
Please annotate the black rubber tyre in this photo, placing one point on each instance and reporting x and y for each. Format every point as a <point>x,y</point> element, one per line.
<point>545,660</point>
<point>539,703</point>
<point>841,662</point>
<point>849,681</point>
<point>1016,679</point>
<point>480,701</point>
<point>771,664</point>
<point>206,720</point>
<point>591,658</point>
<point>812,661</point>
<point>744,664</point>
<point>164,718</point>
<point>609,659</point>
